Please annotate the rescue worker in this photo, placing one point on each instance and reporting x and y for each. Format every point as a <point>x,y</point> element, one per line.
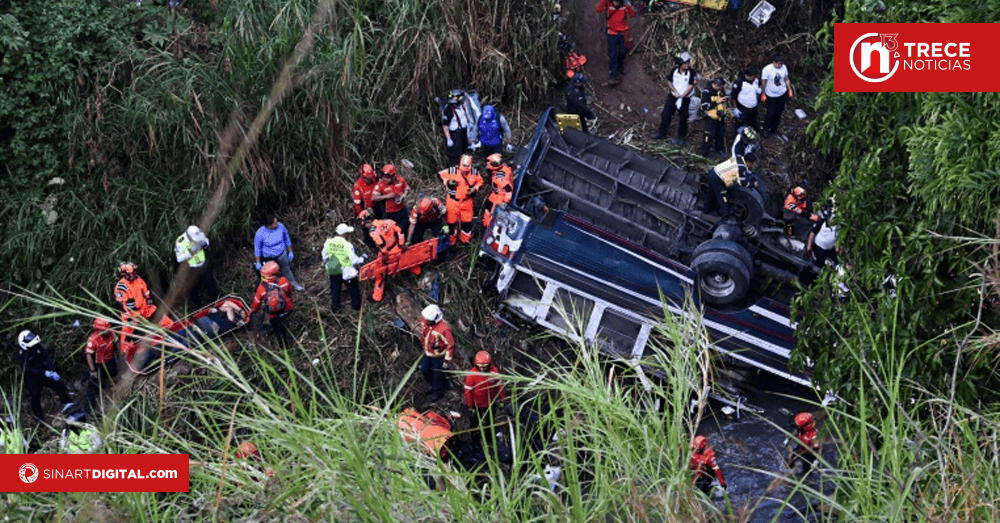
<point>272,243</point>
<point>502,181</point>
<point>806,448</point>
<point>190,247</point>
<point>796,210</point>
<point>363,189</point>
<point>461,183</point>
<point>576,99</point>
<point>492,131</point>
<point>274,295</point>
<point>341,263</point>
<point>681,84</point>
<point>390,242</point>
<point>11,439</point>
<point>704,466</point>
<point>617,12</point>
<point>822,240</point>
<point>715,105</point>
<point>428,215</point>
<point>455,122</point>
<point>482,390</point>
<point>131,291</point>
<point>745,94</point>
<point>101,361</point>
<point>745,142</point>
<point>725,175</point>
<point>430,429</point>
<point>35,361</point>
<point>439,350</point>
<point>389,194</point>
<point>365,222</point>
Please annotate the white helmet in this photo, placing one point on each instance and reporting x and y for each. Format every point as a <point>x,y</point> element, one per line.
<point>432,313</point>
<point>27,340</point>
<point>194,234</point>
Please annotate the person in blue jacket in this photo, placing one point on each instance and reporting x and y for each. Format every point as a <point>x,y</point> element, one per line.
<point>493,131</point>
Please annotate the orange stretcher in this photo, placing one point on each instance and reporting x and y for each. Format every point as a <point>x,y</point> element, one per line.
<point>414,256</point>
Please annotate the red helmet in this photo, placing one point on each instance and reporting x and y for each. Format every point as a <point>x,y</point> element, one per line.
<point>799,193</point>
<point>700,443</point>
<point>270,270</point>
<point>804,419</point>
<point>127,269</point>
<point>494,161</point>
<point>483,359</point>
<point>246,450</point>
<point>388,170</point>
<point>367,172</point>
<point>101,324</point>
<point>465,162</point>
<point>425,206</point>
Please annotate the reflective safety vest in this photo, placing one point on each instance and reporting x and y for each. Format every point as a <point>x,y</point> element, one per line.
<point>728,171</point>
<point>430,429</point>
<point>183,246</point>
<point>340,249</point>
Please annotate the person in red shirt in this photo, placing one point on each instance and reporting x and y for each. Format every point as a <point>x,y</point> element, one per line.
<point>426,216</point>
<point>618,13</point>
<point>390,192</point>
<point>807,447</point>
<point>704,466</point>
<point>482,390</point>
<point>100,360</point>
<point>363,189</point>
<point>439,350</point>
<point>461,184</point>
<point>502,180</point>
<point>274,295</point>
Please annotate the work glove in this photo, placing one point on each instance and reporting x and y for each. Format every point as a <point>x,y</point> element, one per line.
<point>737,113</point>
<point>52,375</point>
<point>291,256</point>
<point>450,143</point>
<point>364,256</point>
<point>445,229</point>
<point>257,266</point>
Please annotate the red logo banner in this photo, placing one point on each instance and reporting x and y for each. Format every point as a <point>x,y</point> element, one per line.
<point>914,58</point>
<point>94,473</point>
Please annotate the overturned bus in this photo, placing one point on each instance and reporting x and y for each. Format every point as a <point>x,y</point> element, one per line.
<point>597,233</point>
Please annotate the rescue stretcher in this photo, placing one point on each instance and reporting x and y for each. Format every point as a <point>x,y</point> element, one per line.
<point>197,328</point>
<point>414,256</point>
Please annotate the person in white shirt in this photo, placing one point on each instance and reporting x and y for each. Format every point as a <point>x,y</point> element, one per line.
<point>681,86</point>
<point>745,94</point>
<point>455,121</point>
<point>778,89</point>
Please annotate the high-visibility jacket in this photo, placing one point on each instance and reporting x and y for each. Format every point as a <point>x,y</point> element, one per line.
<point>617,16</point>
<point>362,194</point>
<point>137,290</point>
<point>183,251</point>
<point>101,347</point>
<point>703,464</point>
<point>342,250</point>
<point>387,236</point>
<point>730,171</point>
<point>466,183</point>
<point>483,388</point>
<point>430,429</point>
<point>437,340</point>
<point>715,108</point>
<point>395,187</point>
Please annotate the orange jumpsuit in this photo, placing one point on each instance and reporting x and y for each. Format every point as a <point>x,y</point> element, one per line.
<point>390,241</point>
<point>502,179</point>
<point>136,290</point>
<point>461,185</point>
<point>129,342</point>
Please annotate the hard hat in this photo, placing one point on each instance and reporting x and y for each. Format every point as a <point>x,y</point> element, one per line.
<point>804,419</point>
<point>432,313</point>
<point>495,160</point>
<point>799,193</point>
<point>101,324</point>
<point>749,133</point>
<point>483,359</point>
<point>343,229</point>
<point>126,268</point>
<point>699,443</point>
<point>456,96</point>
<point>194,234</point>
<point>28,339</point>
<point>367,172</point>
<point>465,162</point>
<point>388,170</point>
<point>246,450</point>
<point>425,206</point>
<point>270,270</point>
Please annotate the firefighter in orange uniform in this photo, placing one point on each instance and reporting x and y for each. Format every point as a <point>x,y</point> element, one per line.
<point>461,183</point>
<point>363,188</point>
<point>274,295</point>
<point>132,293</point>
<point>482,390</point>
<point>796,209</point>
<point>390,192</point>
<point>502,180</point>
<point>807,448</point>
<point>391,243</point>
<point>439,350</point>
<point>428,215</point>
<point>703,465</point>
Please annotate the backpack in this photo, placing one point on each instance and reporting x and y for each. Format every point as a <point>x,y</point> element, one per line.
<point>274,298</point>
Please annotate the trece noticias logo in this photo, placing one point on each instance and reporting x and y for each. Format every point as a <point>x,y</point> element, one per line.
<point>912,57</point>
